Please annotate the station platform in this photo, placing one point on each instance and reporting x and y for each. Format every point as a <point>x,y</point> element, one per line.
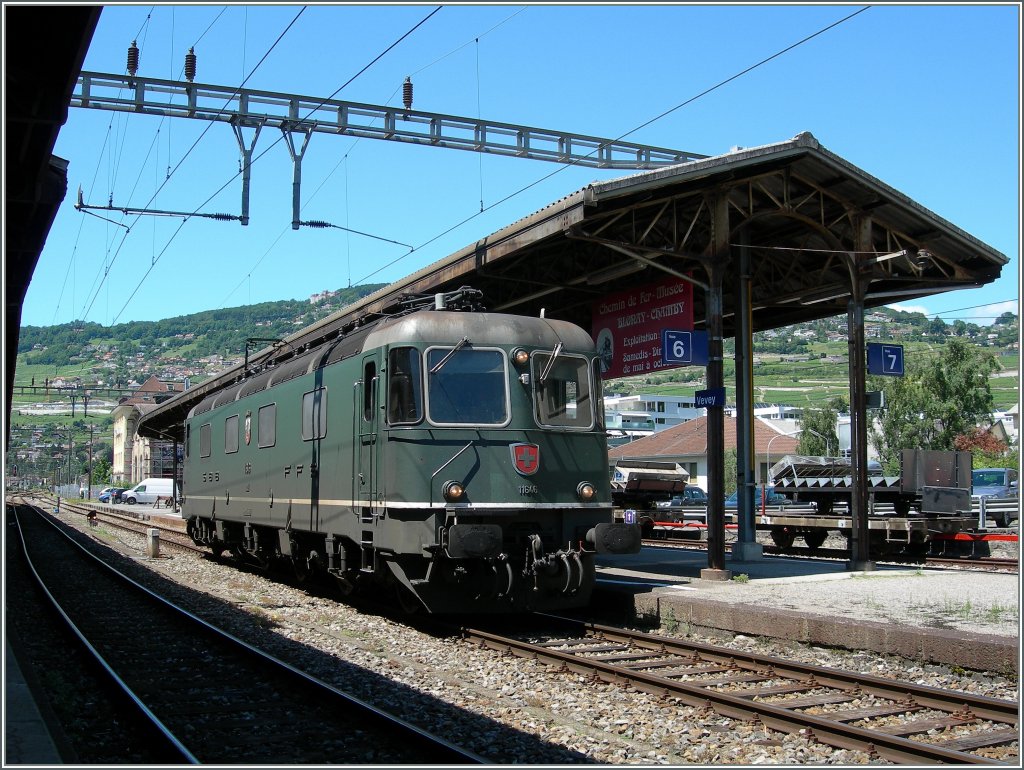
<point>28,739</point>
<point>968,618</point>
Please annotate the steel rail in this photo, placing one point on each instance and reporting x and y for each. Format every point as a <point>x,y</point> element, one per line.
<point>433,747</point>
<point>995,709</point>
<point>776,717</point>
<point>173,744</point>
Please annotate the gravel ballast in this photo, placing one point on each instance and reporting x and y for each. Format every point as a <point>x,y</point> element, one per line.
<point>509,710</point>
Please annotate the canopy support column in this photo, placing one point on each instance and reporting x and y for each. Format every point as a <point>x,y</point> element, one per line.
<point>746,547</point>
<point>715,380</point>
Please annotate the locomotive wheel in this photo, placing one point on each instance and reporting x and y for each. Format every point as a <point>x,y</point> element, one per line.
<point>783,537</point>
<point>408,601</point>
<point>816,538</point>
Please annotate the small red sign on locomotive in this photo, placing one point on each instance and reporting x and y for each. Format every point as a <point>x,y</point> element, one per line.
<point>525,458</point>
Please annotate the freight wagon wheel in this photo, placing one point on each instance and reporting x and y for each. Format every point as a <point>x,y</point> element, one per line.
<point>878,546</point>
<point>816,538</point>
<point>783,537</point>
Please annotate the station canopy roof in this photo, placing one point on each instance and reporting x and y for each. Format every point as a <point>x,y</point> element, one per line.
<point>807,218</point>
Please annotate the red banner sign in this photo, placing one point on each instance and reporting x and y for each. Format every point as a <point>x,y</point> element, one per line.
<point>628,324</point>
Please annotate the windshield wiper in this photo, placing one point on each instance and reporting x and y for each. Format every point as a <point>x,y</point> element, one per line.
<point>459,346</point>
<point>550,363</point>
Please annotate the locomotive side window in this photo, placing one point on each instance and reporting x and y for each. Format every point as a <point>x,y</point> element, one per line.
<point>405,386</point>
<point>599,402</point>
<point>266,435</point>
<point>314,414</point>
<point>467,386</point>
<point>369,389</point>
<point>563,399</point>
<point>231,434</point>
<point>188,439</point>
<point>205,442</point>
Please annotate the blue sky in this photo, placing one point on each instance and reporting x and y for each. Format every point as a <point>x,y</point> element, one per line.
<point>924,97</point>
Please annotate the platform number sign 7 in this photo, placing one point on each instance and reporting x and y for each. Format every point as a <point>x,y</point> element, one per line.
<point>885,359</point>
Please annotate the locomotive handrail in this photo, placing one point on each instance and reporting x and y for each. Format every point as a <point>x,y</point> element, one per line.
<point>445,465</point>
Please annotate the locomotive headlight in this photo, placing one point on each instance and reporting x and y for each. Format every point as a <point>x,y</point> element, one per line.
<point>453,491</point>
<point>585,491</point>
<point>520,357</point>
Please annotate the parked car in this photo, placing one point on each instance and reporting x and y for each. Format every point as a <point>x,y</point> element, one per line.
<point>691,496</point>
<point>111,495</point>
<point>996,483</point>
<point>771,498</point>
<point>152,490</point>
<point>992,484</point>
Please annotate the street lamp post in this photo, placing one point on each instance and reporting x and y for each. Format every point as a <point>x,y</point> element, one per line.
<point>767,463</point>
<point>828,443</point>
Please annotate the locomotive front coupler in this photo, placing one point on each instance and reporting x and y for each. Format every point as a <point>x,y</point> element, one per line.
<point>615,538</point>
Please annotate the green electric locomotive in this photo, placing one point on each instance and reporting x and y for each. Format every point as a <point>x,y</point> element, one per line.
<point>457,458</point>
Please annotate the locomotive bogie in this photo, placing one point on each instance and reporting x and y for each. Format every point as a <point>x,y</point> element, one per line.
<point>458,457</point>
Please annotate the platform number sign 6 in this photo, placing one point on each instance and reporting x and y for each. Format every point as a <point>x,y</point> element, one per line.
<point>885,359</point>
<point>680,347</point>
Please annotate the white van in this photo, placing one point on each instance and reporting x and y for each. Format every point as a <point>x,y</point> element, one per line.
<point>148,490</point>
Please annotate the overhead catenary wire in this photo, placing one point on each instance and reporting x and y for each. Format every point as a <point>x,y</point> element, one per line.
<point>570,164</point>
<point>335,93</point>
<point>187,153</point>
<point>224,186</point>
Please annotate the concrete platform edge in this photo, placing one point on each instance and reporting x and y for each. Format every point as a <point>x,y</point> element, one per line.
<point>32,732</point>
<point>981,652</point>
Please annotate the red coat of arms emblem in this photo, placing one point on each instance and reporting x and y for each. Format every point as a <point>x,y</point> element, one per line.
<point>525,458</point>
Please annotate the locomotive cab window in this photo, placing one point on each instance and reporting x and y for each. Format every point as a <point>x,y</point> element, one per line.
<point>562,395</point>
<point>314,414</point>
<point>467,386</point>
<point>205,440</point>
<point>369,389</point>
<point>266,426</point>
<point>231,434</point>
<point>405,388</point>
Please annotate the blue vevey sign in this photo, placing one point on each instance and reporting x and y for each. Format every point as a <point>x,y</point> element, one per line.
<point>684,347</point>
<point>709,397</point>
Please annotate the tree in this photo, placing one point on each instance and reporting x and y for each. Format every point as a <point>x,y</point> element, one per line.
<point>986,450</point>
<point>818,432</point>
<point>934,403</point>
<point>100,471</point>
<point>730,479</point>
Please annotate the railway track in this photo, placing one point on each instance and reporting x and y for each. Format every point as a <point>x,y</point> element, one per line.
<point>170,534</point>
<point>211,697</point>
<point>991,563</point>
<point>896,721</point>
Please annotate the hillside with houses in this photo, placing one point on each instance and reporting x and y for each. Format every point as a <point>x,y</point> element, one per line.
<point>80,386</point>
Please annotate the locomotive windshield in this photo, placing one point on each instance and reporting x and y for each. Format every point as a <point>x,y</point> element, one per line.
<point>469,389</point>
<point>563,399</point>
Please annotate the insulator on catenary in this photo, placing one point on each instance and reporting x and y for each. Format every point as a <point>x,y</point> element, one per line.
<point>190,65</point>
<point>407,93</point>
<point>316,223</point>
<point>133,58</point>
